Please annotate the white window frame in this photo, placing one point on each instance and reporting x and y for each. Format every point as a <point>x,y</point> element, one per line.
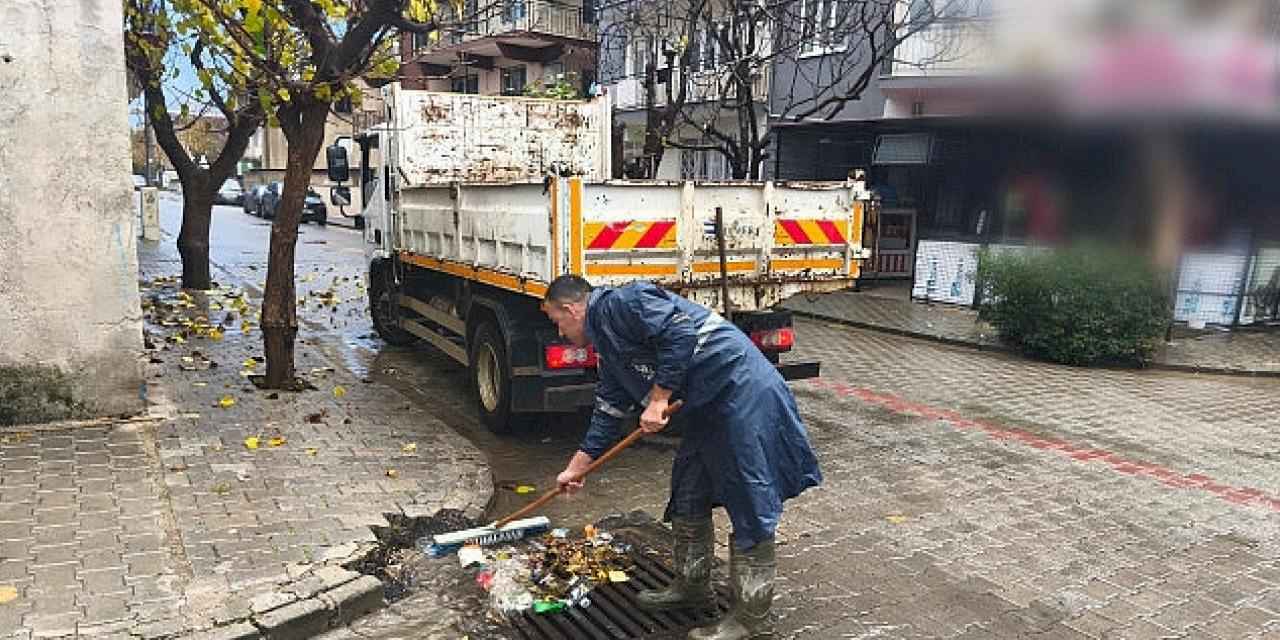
<point>816,45</point>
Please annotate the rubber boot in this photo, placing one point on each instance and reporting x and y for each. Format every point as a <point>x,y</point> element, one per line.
<point>751,575</point>
<point>693,556</point>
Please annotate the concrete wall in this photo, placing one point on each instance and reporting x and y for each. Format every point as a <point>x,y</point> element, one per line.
<point>68,262</point>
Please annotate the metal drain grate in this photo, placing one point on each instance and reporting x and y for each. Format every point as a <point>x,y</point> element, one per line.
<point>614,614</point>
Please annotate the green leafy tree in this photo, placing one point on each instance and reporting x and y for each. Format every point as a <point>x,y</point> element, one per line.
<point>157,33</point>
<point>295,59</point>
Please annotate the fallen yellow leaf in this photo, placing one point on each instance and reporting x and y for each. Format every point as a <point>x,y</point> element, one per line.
<point>339,391</point>
<point>251,442</point>
<point>896,519</point>
<point>215,334</point>
<point>524,488</point>
<point>277,441</point>
<point>410,448</point>
<point>250,363</point>
<point>226,402</point>
<point>311,451</point>
<point>392,473</point>
<point>8,593</point>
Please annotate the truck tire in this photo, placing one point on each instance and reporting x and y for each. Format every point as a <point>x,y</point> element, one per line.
<point>384,318</point>
<point>491,377</point>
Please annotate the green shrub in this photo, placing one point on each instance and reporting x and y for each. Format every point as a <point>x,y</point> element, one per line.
<point>1080,306</point>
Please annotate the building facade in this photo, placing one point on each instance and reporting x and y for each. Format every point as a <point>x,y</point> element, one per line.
<point>507,47</point>
<point>639,42</point>
<point>70,318</point>
<point>1016,124</point>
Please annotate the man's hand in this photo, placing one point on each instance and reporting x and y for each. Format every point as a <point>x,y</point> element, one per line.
<point>571,480</point>
<point>654,418</point>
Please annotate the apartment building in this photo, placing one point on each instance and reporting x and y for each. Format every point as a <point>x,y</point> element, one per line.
<point>510,47</point>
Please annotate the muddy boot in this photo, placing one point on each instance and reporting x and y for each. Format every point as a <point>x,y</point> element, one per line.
<point>751,574</point>
<point>692,585</point>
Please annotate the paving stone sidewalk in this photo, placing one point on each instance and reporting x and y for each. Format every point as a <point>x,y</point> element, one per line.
<point>1244,351</point>
<point>171,525</point>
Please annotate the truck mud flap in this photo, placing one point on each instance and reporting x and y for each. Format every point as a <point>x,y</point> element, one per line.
<point>799,370</point>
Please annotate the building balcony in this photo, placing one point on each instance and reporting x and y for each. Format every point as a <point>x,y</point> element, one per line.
<point>502,28</point>
<point>629,92</point>
<point>944,49</point>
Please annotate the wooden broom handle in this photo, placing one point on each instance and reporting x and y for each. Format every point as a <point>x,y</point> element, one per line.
<point>595,464</point>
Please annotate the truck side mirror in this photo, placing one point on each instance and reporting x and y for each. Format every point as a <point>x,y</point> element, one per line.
<point>340,196</point>
<point>336,161</point>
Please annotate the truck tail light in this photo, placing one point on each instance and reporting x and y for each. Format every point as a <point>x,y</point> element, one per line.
<point>781,339</point>
<point>565,356</point>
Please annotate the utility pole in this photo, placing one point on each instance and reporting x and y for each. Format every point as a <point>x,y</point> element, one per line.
<point>146,141</point>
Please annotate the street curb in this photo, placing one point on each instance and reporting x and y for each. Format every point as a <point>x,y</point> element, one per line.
<point>1215,371</point>
<point>955,342</point>
<point>858,324</point>
<point>347,595</point>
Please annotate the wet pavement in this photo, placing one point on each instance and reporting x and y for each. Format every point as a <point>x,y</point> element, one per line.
<point>967,494</point>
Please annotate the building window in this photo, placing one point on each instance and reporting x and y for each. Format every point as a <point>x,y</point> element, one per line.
<point>822,27</point>
<point>469,84</point>
<point>589,12</point>
<point>703,165</point>
<point>552,73</point>
<point>513,80</point>
<point>422,41</point>
<point>513,10</point>
<point>639,55</point>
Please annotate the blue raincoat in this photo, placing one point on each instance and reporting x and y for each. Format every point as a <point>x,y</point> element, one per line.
<point>744,446</point>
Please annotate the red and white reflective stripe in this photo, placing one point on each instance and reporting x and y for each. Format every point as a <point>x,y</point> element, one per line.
<point>781,339</point>
<point>566,356</point>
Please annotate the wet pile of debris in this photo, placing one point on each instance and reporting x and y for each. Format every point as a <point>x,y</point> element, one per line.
<point>547,574</point>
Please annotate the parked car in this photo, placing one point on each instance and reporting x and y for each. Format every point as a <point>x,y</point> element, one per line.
<point>313,208</point>
<point>229,193</point>
<point>253,200</point>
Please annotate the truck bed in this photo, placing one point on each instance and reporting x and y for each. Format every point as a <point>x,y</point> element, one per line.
<point>780,238</point>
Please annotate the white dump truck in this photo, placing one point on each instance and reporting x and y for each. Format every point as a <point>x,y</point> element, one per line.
<point>476,203</point>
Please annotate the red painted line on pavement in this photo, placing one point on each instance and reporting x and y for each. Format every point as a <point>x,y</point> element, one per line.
<point>1119,464</point>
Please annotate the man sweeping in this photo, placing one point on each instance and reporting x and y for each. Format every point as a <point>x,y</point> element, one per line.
<point>745,447</point>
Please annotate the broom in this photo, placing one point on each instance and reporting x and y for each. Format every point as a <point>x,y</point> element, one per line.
<point>510,529</point>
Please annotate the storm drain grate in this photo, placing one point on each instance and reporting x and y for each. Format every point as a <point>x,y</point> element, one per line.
<point>614,613</point>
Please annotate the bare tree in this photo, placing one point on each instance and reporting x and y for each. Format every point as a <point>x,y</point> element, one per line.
<point>153,42</point>
<point>715,59</point>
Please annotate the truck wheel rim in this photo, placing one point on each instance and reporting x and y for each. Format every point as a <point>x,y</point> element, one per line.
<point>487,378</point>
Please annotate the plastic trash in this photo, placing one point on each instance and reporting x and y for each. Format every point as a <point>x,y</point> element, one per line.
<point>470,555</point>
<point>545,606</point>
<point>507,593</point>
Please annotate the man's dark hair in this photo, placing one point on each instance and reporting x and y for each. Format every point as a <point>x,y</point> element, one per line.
<point>568,288</point>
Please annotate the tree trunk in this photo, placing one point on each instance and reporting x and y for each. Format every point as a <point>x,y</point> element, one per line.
<point>304,131</point>
<point>193,240</point>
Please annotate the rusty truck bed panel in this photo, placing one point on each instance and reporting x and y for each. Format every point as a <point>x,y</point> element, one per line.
<point>780,239</point>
